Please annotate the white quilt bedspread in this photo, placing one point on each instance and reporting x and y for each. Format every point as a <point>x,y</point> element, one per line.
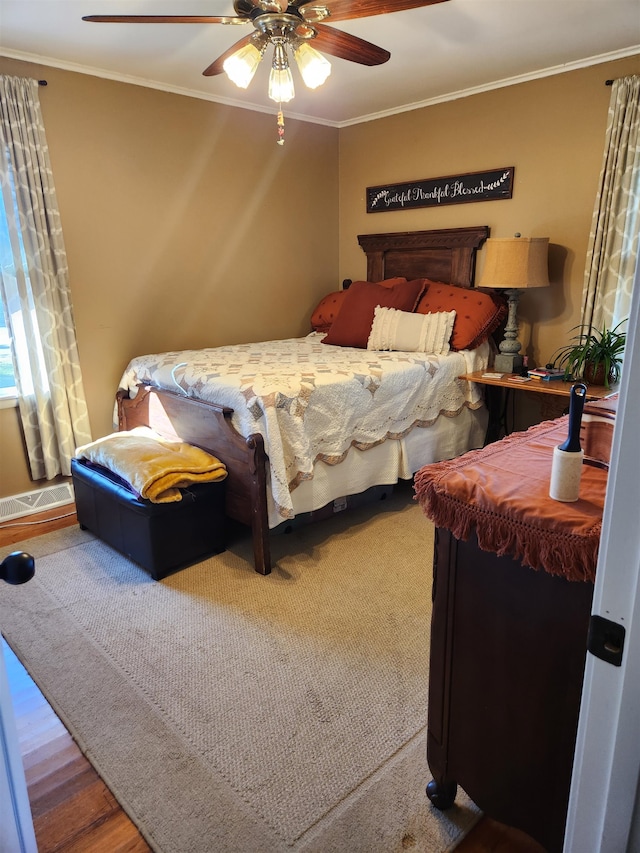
<point>311,401</point>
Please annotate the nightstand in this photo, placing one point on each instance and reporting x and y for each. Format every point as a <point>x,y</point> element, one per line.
<point>554,396</point>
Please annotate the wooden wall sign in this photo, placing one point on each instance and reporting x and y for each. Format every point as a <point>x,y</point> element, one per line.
<point>454,189</point>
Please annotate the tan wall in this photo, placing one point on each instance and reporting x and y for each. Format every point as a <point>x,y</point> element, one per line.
<point>185,225</point>
<point>552,130</point>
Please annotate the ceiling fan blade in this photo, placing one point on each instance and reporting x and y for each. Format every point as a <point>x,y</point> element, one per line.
<point>346,46</point>
<point>345,10</point>
<point>216,66</point>
<point>163,19</point>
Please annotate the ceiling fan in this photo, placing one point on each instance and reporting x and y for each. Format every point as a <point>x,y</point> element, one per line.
<point>287,25</point>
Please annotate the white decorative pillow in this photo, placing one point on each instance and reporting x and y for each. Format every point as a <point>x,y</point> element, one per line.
<point>401,330</point>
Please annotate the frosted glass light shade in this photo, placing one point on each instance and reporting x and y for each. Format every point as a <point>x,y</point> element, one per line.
<point>314,68</point>
<point>241,66</point>
<point>281,88</point>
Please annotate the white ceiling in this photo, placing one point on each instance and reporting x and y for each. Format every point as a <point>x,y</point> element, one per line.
<point>437,52</point>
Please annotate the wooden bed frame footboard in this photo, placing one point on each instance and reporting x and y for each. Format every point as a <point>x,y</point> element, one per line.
<point>209,426</point>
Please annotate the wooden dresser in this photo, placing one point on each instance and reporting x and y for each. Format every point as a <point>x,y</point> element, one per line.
<point>508,642</point>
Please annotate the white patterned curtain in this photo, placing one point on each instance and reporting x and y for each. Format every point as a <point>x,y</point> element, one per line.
<point>613,242</point>
<point>34,287</point>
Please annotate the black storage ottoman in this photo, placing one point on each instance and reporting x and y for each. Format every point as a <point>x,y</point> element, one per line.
<point>161,538</point>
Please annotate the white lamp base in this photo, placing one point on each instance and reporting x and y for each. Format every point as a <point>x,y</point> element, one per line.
<point>508,363</point>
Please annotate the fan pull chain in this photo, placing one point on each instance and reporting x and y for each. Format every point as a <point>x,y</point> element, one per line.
<point>280,126</point>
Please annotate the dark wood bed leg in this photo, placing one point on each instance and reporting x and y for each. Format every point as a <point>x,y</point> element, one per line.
<point>261,546</point>
<point>256,486</point>
<point>259,514</point>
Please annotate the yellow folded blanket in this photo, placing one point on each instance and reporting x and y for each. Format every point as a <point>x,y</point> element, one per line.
<point>156,468</point>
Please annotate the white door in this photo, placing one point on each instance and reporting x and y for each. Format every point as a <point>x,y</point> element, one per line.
<point>16,826</point>
<point>604,813</point>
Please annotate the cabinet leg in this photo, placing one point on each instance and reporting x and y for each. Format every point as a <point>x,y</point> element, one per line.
<point>442,794</point>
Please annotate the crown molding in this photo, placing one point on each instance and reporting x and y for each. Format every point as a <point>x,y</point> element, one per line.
<point>552,71</point>
<point>103,74</point>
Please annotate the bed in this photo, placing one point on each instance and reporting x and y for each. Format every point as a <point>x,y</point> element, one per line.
<point>282,415</point>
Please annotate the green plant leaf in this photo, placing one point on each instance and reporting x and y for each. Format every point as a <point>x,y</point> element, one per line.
<point>592,347</point>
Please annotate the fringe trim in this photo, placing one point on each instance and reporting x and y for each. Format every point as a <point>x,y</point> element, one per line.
<point>566,555</point>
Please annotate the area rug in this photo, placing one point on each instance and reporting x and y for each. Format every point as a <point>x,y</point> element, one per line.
<point>233,712</point>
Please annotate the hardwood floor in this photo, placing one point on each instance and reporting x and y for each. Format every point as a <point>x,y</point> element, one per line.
<point>73,810</point>
<point>37,524</point>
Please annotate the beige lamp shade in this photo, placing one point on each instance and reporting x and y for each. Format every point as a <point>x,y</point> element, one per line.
<point>516,263</point>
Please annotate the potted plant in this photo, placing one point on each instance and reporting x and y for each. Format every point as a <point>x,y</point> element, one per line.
<point>593,355</point>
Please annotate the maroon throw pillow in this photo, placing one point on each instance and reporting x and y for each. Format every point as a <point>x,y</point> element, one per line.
<point>352,326</point>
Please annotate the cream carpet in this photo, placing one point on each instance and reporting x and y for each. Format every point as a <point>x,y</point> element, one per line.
<point>234,713</point>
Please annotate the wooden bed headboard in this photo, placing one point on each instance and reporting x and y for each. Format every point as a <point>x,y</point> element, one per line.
<point>446,254</point>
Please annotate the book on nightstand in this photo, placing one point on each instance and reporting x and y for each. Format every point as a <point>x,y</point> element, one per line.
<point>546,373</point>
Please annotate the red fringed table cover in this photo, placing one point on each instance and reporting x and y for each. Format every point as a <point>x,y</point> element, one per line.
<point>502,494</point>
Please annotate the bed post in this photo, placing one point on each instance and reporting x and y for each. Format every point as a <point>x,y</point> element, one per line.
<point>259,517</point>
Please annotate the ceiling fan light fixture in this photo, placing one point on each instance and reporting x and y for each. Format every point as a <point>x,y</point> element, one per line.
<point>281,89</point>
<point>285,24</point>
<point>242,65</point>
<point>314,68</point>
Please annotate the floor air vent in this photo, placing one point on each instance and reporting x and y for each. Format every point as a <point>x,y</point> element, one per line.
<point>36,501</point>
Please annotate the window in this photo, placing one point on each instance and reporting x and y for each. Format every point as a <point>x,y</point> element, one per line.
<point>7,379</point>
<point>35,290</point>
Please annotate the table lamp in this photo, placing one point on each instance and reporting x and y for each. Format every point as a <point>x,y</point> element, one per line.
<point>513,264</point>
